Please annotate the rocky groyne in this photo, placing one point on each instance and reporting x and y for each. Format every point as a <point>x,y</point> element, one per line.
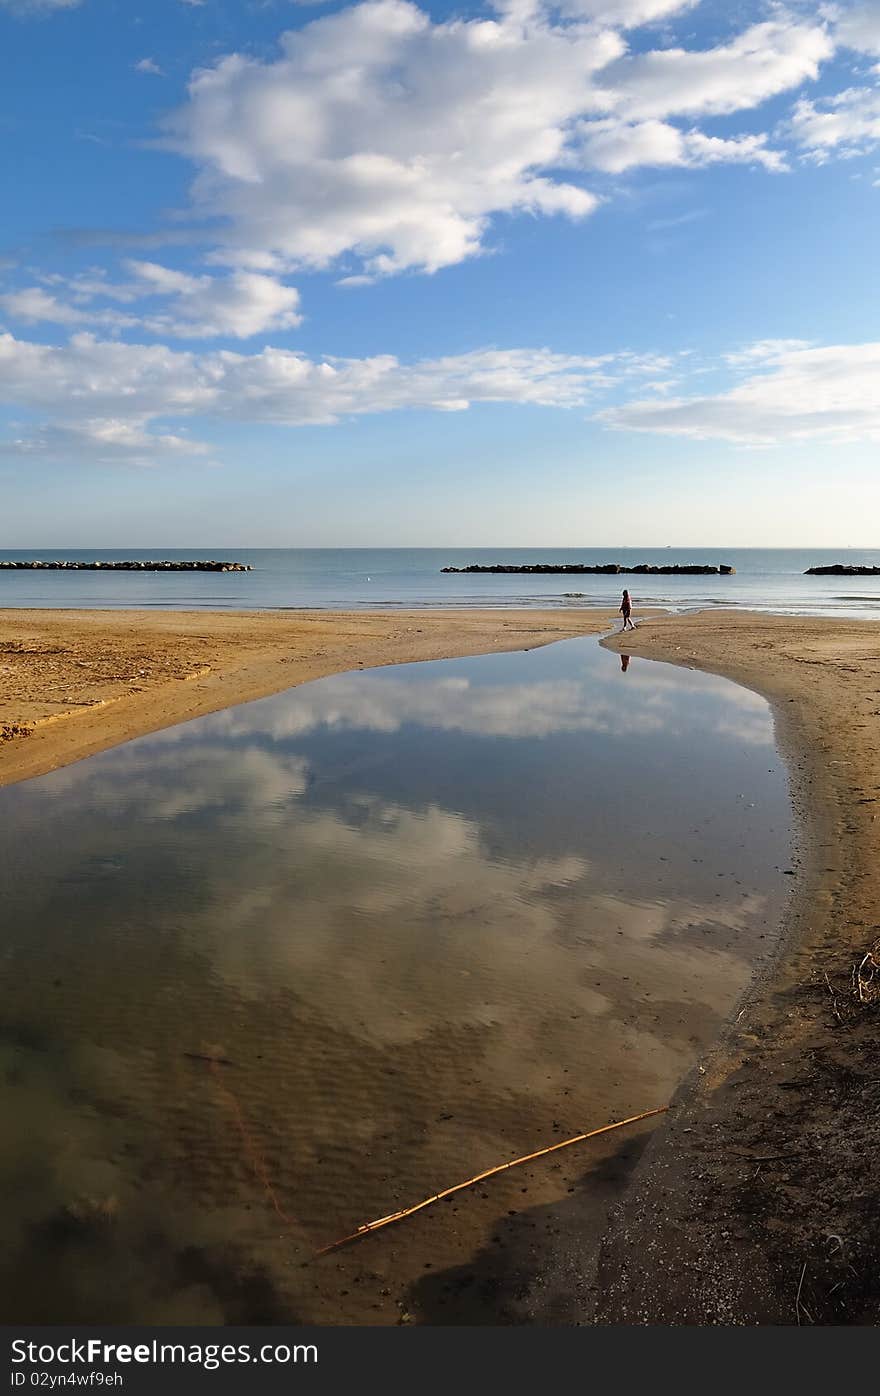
<point>605,569</point>
<point>842,569</point>
<point>67,566</point>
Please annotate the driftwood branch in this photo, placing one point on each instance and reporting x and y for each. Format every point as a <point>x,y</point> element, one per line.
<point>480,1177</point>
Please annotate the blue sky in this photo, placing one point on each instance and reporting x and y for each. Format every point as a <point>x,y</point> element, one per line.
<point>389,274</point>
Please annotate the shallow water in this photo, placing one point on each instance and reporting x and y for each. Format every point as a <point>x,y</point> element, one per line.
<point>281,970</point>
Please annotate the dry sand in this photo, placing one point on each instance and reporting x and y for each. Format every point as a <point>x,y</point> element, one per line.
<point>756,1201</point>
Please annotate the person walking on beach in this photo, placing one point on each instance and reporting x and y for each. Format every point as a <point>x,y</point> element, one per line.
<point>626,611</point>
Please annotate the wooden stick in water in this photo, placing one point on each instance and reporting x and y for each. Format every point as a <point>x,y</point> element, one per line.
<point>489,1173</point>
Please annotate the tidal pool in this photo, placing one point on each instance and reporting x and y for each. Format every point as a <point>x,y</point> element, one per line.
<point>276,972</point>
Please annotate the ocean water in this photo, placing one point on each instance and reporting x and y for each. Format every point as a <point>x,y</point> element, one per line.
<point>379,578</point>
<point>278,971</point>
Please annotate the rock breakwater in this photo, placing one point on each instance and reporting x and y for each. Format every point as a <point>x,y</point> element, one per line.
<point>605,569</point>
<point>67,566</point>
<point>842,569</point>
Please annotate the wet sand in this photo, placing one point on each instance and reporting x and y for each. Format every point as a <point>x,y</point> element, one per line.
<point>755,1200</point>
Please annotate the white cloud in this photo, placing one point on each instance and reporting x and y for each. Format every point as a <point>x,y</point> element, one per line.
<point>149,65</point>
<point>859,27</point>
<point>626,14</point>
<point>238,305</point>
<point>383,136</point>
<point>119,399</point>
<point>616,146</point>
<point>830,393</point>
<point>102,440</point>
<point>111,400</point>
<point>33,305</point>
<point>641,92</point>
<point>380,133</point>
<point>846,124</point>
<point>764,350</point>
<point>757,64</point>
<point>91,389</point>
<point>241,304</point>
<point>385,139</point>
<point>36,7</point>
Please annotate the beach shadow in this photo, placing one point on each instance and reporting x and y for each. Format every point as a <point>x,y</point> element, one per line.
<point>541,1263</point>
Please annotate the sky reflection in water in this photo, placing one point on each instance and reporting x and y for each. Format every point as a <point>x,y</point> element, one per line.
<point>433,916</point>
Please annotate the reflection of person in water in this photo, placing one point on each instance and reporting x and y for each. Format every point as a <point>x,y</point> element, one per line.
<point>626,611</point>
<point>624,662</point>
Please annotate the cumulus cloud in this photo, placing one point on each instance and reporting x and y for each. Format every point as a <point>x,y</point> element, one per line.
<point>241,304</point>
<point>149,65</point>
<point>381,139</point>
<point>237,305</point>
<point>379,133</point>
<point>846,124</point>
<point>384,141</point>
<point>382,136</point>
<point>616,146</point>
<point>89,388</point>
<point>759,63</point>
<point>642,91</point>
<point>830,393</point>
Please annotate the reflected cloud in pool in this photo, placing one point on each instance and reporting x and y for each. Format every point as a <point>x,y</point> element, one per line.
<point>431,916</point>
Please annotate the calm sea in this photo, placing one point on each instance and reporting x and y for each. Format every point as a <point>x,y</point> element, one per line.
<point>378,578</point>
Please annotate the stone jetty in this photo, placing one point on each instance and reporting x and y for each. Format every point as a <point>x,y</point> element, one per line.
<point>605,569</point>
<point>66,566</point>
<point>842,569</point>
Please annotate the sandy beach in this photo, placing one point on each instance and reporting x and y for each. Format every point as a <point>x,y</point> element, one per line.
<point>754,1202</point>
